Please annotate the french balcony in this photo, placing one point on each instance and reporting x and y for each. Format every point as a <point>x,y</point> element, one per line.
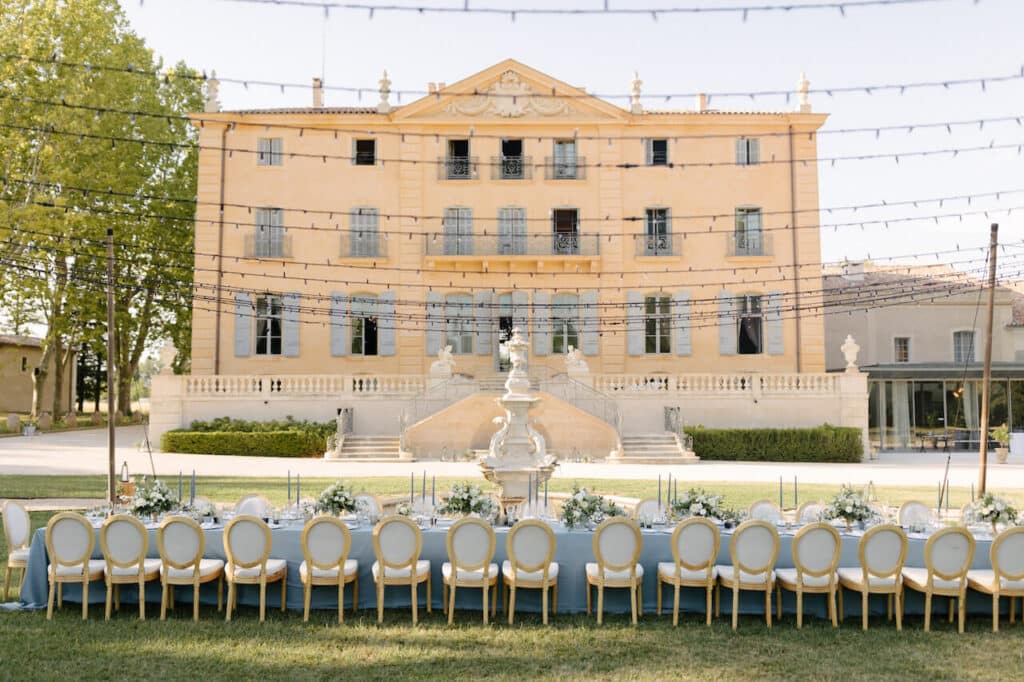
<point>553,252</point>
<point>658,244</point>
<point>268,246</point>
<point>355,244</point>
<point>457,168</point>
<point>511,167</point>
<point>746,244</point>
<point>565,169</point>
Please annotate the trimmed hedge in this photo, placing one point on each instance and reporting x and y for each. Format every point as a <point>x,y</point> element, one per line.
<point>259,443</point>
<point>824,443</point>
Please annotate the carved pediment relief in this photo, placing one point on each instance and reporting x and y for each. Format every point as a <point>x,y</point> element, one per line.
<point>509,97</point>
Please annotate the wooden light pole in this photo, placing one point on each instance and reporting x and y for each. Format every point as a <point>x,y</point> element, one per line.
<point>111,385</point>
<point>986,382</point>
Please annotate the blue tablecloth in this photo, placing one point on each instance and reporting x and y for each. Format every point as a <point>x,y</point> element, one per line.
<point>574,549</point>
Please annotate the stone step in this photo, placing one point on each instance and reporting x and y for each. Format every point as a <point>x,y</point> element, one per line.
<point>677,458</point>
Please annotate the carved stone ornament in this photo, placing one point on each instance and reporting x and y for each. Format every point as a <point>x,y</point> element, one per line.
<point>509,97</point>
<point>850,349</point>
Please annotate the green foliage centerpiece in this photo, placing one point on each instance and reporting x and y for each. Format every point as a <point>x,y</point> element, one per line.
<point>465,499</point>
<point>850,506</point>
<point>698,502</point>
<point>585,509</point>
<point>336,498</point>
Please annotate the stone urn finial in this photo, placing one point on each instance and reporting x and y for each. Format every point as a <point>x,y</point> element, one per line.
<point>167,355</point>
<point>212,104</point>
<point>635,106</point>
<point>803,87</point>
<point>384,106</point>
<point>850,350</point>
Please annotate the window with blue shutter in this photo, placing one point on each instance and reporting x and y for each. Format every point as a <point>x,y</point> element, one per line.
<point>386,323</point>
<point>726,323</point>
<point>435,326</point>
<point>243,324</point>
<point>339,323</point>
<point>290,325</point>
<point>541,323</point>
<point>591,323</point>
<point>681,322</point>
<point>634,323</point>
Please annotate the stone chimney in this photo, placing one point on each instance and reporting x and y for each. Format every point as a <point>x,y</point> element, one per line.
<point>318,93</point>
<point>635,106</point>
<point>702,102</point>
<point>212,90</point>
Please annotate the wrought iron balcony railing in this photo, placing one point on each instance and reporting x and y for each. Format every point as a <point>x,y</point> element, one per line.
<point>550,244</point>
<point>268,245</point>
<point>565,169</point>
<point>511,167</point>
<point>457,168</point>
<point>659,244</point>
<point>749,243</point>
<point>356,244</point>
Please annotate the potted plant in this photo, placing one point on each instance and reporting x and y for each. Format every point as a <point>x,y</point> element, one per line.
<point>1001,435</point>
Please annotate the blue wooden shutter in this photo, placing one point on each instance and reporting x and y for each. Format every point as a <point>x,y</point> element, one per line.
<point>541,323</point>
<point>339,323</point>
<point>681,322</point>
<point>753,151</point>
<point>290,325</point>
<point>434,323</point>
<point>773,323</point>
<point>741,152</point>
<point>386,323</point>
<point>634,323</point>
<point>589,343</point>
<point>243,324</point>
<point>726,323</point>
<point>520,312</point>
<point>483,322</point>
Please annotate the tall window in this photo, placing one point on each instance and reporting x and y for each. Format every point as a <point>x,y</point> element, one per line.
<point>268,325</point>
<point>363,233</point>
<point>749,323</point>
<point>365,152</point>
<point>657,237</point>
<point>269,151</point>
<point>748,237</point>
<point>458,164</point>
<point>565,160</point>
<point>512,231</point>
<point>269,239</point>
<point>458,323</point>
<point>364,325</point>
<point>564,323</point>
<point>511,159</point>
<point>901,349</point>
<point>963,347</point>
<point>458,231</point>
<point>657,324</point>
<point>748,151</point>
<point>565,229</point>
<point>657,152</point>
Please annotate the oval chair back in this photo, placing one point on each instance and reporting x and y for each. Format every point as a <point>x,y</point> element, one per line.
<point>1007,555</point>
<point>617,545</point>
<point>913,512</point>
<point>809,512</point>
<point>754,547</point>
<point>882,550</point>
<point>531,547</point>
<point>695,544</point>
<point>326,542</point>
<point>69,541</point>
<point>470,544</point>
<point>370,503</point>
<point>181,543</point>
<point>16,525</point>
<point>397,542</point>
<point>648,509</point>
<point>124,542</point>
<point>247,542</point>
<point>253,505</point>
<point>816,550</point>
<point>949,553</point>
<point>765,510</point>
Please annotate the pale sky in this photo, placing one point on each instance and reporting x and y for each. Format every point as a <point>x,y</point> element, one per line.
<point>688,53</point>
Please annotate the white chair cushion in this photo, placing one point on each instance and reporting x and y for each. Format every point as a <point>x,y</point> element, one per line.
<point>274,566</point>
<point>351,568</point>
<point>206,567</point>
<point>725,572</point>
<point>19,555</point>
<point>855,576</point>
<point>529,576</point>
<point>667,569</point>
<point>422,568</point>
<point>987,577</point>
<point>478,575</point>
<point>96,567</point>
<point>149,567</point>
<point>788,576</point>
<point>593,572</point>
<point>919,576</point>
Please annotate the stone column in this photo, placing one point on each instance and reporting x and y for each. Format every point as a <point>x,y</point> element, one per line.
<point>166,406</point>
<point>853,405</point>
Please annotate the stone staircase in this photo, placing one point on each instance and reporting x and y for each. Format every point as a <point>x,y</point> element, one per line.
<point>369,449</point>
<point>653,448</point>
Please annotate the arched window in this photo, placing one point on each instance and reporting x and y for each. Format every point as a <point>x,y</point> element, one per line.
<point>458,322</point>
<point>565,316</point>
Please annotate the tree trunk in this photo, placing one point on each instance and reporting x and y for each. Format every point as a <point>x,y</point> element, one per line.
<point>59,362</point>
<point>39,380</point>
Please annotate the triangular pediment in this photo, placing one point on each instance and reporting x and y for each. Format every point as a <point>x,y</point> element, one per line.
<point>510,91</point>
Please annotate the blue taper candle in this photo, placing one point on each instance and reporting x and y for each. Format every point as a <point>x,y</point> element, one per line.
<point>545,494</point>
<point>676,493</point>
<point>289,487</point>
<point>423,487</point>
<point>780,492</point>
<point>433,490</point>
<point>298,487</point>
<point>659,489</point>
<point>192,490</point>
<point>179,486</point>
<point>796,494</point>
<point>412,487</point>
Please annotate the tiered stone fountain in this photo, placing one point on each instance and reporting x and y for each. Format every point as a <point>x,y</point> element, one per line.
<point>517,453</point>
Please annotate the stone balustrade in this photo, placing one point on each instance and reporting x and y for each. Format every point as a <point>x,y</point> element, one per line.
<point>299,385</point>
<point>622,385</point>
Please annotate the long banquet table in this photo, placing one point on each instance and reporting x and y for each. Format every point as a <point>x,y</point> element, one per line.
<point>574,549</point>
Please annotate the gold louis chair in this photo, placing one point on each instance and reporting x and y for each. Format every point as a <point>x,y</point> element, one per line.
<point>531,550</point>
<point>253,505</point>
<point>765,510</point>
<point>695,544</point>
<point>124,542</point>
<point>247,543</point>
<point>1006,577</point>
<point>372,503</point>
<point>397,543</point>
<point>617,546</point>
<point>882,551</point>
<point>470,544</point>
<point>816,550</point>
<point>649,508</point>
<point>913,512</point>
<point>326,543</point>
<point>947,556</point>
<point>754,549</point>
<point>69,543</point>
<point>17,525</point>
<point>181,543</point>
<point>809,512</point>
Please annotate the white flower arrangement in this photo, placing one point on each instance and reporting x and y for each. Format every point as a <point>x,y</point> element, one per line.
<point>467,498</point>
<point>585,508</point>
<point>698,502</point>
<point>336,498</point>
<point>152,498</point>
<point>992,509</point>
<point>850,506</point>
<point>404,509</point>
